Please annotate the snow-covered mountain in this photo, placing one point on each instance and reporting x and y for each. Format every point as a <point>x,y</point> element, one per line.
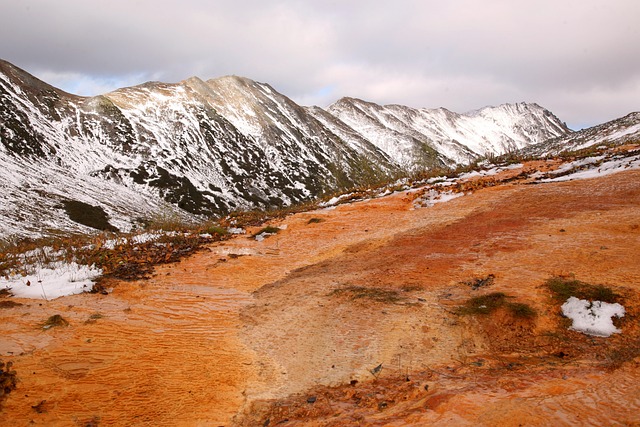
<point>615,132</point>
<point>209,147</point>
<point>414,138</point>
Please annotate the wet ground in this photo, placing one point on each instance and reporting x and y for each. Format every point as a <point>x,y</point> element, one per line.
<point>350,316</point>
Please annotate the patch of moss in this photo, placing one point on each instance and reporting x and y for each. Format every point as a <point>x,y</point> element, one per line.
<point>521,310</point>
<point>487,304</point>
<point>388,296</point>
<point>411,288</point>
<point>9,304</point>
<point>484,304</point>
<point>480,282</point>
<point>8,378</point>
<point>55,320</point>
<point>562,288</point>
<point>94,318</point>
<point>216,230</point>
<point>268,230</point>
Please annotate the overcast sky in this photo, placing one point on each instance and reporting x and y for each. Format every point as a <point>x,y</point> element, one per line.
<point>580,59</point>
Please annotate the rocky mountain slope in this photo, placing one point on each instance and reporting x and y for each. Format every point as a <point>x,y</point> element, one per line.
<point>615,132</point>
<point>199,147</point>
<point>418,137</point>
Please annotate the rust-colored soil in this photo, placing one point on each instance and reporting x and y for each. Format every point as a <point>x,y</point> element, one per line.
<point>353,319</point>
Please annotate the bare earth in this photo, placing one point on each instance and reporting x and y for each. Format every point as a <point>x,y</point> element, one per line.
<point>289,331</point>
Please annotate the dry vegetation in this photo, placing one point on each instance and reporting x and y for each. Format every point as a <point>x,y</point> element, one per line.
<point>8,379</point>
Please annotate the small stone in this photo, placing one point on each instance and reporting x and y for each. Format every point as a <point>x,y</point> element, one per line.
<point>311,399</point>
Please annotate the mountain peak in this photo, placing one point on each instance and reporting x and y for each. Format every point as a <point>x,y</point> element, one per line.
<point>29,82</point>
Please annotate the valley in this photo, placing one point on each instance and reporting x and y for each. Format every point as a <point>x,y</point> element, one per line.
<point>352,314</point>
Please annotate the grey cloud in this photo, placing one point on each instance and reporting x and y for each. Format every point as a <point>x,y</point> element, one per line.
<point>580,59</point>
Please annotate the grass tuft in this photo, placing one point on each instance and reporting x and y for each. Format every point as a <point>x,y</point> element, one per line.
<point>480,282</point>
<point>53,321</point>
<point>216,230</point>
<point>521,310</point>
<point>267,230</point>
<point>8,379</point>
<point>487,304</point>
<point>94,318</point>
<point>484,304</point>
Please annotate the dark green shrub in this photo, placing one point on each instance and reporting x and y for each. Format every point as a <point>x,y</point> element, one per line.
<point>216,230</point>
<point>55,320</point>
<point>484,304</point>
<point>562,288</point>
<point>268,230</point>
<point>487,304</point>
<point>8,379</point>
<point>521,310</point>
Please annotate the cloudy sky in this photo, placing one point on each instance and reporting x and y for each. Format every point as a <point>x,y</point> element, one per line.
<point>580,59</point>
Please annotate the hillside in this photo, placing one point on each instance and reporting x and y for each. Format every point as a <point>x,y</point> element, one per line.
<point>197,149</point>
<point>437,303</point>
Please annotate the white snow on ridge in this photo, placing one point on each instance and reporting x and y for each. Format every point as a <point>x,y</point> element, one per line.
<point>589,168</point>
<point>399,130</point>
<point>613,136</point>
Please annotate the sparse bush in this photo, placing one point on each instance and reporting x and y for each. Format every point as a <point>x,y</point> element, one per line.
<point>562,288</point>
<point>258,217</point>
<point>387,296</point>
<point>480,282</point>
<point>94,318</point>
<point>216,230</point>
<point>268,230</point>
<point>169,222</point>
<point>521,310</point>
<point>487,304</point>
<point>315,220</point>
<point>55,320</point>
<point>484,304</point>
<point>8,379</point>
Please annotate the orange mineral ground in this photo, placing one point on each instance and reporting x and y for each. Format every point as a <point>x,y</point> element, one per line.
<point>351,316</point>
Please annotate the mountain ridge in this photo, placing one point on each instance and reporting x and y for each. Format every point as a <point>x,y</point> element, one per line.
<point>199,148</point>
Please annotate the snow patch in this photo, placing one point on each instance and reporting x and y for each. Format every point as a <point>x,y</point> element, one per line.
<point>57,280</point>
<point>433,197</point>
<point>592,317</point>
<point>236,230</point>
<point>136,240</point>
